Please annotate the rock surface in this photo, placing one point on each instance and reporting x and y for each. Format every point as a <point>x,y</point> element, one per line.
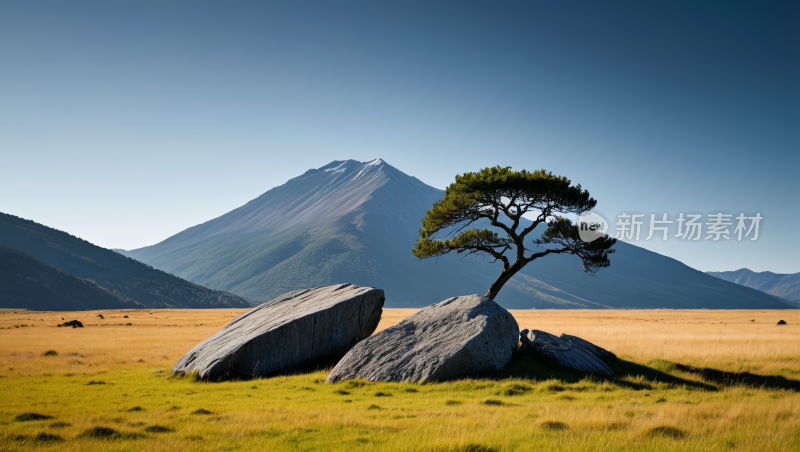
<point>297,329</point>
<point>599,352</point>
<point>455,338</point>
<point>557,351</point>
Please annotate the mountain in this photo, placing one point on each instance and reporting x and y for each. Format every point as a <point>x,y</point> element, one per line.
<point>785,286</point>
<point>29,283</point>
<point>357,222</point>
<point>125,277</point>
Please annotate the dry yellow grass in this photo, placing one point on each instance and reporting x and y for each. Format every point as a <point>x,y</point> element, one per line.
<point>726,340</point>
<point>300,412</point>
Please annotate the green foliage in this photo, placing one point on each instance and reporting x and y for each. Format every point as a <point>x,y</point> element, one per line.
<point>502,196</point>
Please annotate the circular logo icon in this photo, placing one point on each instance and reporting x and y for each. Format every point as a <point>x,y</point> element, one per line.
<point>592,225</point>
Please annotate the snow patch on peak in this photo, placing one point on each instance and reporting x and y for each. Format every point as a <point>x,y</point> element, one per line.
<point>374,162</point>
<point>336,169</point>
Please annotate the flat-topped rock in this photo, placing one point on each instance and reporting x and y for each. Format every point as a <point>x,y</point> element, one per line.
<point>557,351</point>
<point>455,338</point>
<point>297,329</point>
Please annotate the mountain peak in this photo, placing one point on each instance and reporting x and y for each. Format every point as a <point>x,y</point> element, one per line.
<point>352,221</point>
<point>342,165</point>
<point>334,191</point>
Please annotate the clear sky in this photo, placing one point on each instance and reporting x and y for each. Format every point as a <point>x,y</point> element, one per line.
<point>126,122</point>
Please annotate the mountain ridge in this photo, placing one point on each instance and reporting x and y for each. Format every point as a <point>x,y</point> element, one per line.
<point>30,283</point>
<point>785,286</point>
<point>109,269</point>
<point>356,222</point>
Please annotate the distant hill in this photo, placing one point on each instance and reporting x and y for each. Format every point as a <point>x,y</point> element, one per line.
<point>356,222</point>
<point>113,271</point>
<point>785,286</point>
<point>30,283</point>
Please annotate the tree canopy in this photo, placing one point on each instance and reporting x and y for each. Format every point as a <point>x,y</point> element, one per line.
<point>502,196</point>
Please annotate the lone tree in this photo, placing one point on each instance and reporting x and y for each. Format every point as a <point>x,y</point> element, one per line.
<point>492,192</point>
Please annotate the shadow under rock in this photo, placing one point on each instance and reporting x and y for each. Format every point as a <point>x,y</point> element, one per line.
<point>729,378</point>
<point>537,370</point>
<point>324,363</point>
<point>656,371</point>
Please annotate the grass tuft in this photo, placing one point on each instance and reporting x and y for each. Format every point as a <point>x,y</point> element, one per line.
<point>98,382</point>
<point>341,392</point>
<point>470,447</point>
<point>515,389</point>
<point>155,428</point>
<point>31,417</point>
<point>192,376</point>
<point>48,438</point>
<point>60,424</point>
<point>453,402</point>
<point>493,402</point>
<point>554,388</point>
<point>616,426</point>
<point>553,426</point>
<point>201,411</point>
<point>136,408</point>
<point>382,394</point>
<point>107,433</point>
<point>50,353</point>
<point>373,407</point>
<point>667,432</point>
<point>352,384</point>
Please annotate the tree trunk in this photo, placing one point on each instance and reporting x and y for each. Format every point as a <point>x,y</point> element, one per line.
<point>501,280</point>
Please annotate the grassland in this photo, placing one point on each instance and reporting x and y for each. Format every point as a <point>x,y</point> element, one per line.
<point>97,391</point>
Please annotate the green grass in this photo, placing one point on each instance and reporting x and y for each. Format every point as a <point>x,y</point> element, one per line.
<point>526,407</point>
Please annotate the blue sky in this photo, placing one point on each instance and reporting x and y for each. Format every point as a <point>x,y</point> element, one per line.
<point>126,122</point>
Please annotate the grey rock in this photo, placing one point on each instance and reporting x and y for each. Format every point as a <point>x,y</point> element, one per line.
<point>556,351</point>
<point>455,338</point>
<point>599,352</point>
<point>297,329</point>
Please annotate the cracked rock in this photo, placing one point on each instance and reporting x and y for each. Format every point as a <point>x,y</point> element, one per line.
<point>567,352</point>
<point>456,338</point>
<point>298,329</point>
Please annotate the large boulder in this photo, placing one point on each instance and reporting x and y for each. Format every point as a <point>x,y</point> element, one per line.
<point>455,338</point>
<point>297,329</point>
<point>561,353</point>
